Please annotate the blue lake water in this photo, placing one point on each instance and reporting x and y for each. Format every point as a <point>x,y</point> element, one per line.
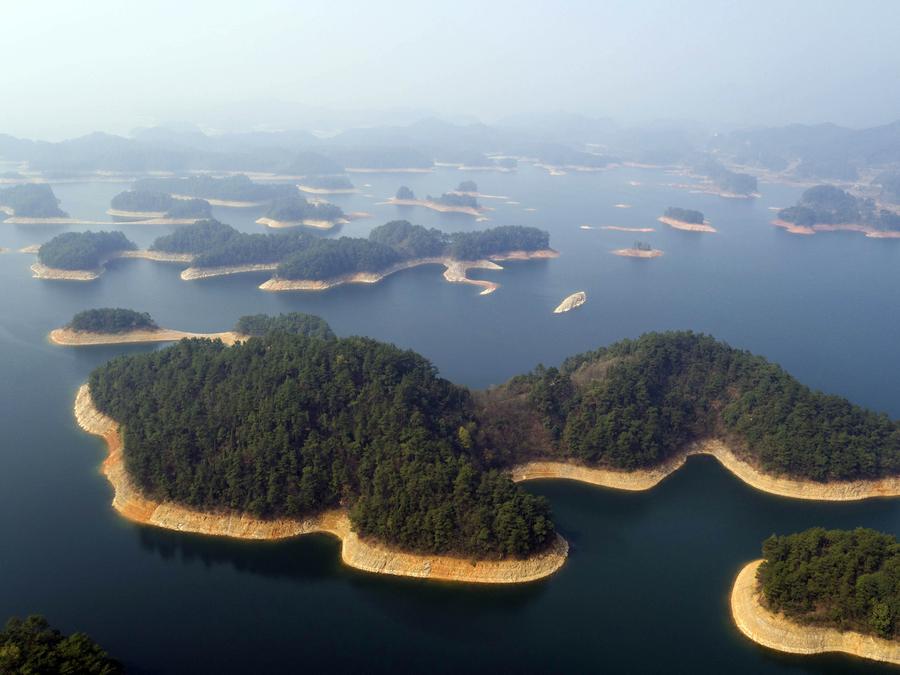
<point>646,587</point>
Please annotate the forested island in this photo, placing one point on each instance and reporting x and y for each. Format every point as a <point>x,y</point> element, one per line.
<point>327,184</point>
<point>400,245</point>
<point>685,219</point>
<point>31,200</point>
<point>727,183</point>
<point>33,646</point>
<point>449,202</point>
<point>640,249</point>
<point>107,325</point>
<point>826,208</point>
<point>147,204</point>
<point>293,210</point>
<point>236,191</point>
<point>824,590</point>
<point>311,432</point>
<point>80,254</point>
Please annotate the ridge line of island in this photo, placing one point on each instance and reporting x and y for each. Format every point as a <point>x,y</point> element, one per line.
<point>301,261</point>
<point>504,422</point>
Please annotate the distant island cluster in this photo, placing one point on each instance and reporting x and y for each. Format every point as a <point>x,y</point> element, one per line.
<point>826,208</point>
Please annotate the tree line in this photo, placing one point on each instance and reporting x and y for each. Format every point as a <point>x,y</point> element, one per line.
<point>82,250</point>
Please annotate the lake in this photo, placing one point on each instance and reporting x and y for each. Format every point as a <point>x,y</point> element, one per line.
<point>646,586</point>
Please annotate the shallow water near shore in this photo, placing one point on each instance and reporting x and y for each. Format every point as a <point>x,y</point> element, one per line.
<point>646,587</point>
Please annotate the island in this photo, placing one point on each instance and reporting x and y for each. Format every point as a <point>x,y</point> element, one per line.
<point>30,202</point>
<point>108,326</point>
<point>823,591</point>
<point>236,191</point>
<point>327,185</point>
<point>322,454</point>
<point>33,646</point>
<point>721,181</point>
<point>449,202</point>
<point>158,207</point>
<point>400,245</point>
<point>79,256</point>
<point>294,210</point>
<point>826,208</point>
<point>640,249</point>
<point>571,302</point>
<point>686,219</point>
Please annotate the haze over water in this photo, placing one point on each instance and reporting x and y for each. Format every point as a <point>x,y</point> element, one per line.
<point>646,586</point>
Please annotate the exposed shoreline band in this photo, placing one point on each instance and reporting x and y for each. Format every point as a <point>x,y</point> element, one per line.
<point>66,337</point>
<point>361,554</point>
<point>645,479</point>
<point>778,632</point>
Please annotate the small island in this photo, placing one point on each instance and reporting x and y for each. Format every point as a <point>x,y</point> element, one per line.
<point>294,210</point>
<point>640,249</point>
<point>31,203</point>
<point>570,302</point>
<point>825,208</point>
<point>158,208</point>
<point>685,219</point>
<point>327,185</point>
<point>79,256</point>
<point>449,202</point>
<point>108,326</point>
<point>823,591</point>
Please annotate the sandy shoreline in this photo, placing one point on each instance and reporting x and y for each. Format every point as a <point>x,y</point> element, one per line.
<point>40,271</point>
<point>711,189</point>
<point>637,253</point>
<point>193,273</point>
<point>308,222</point>
<point>778,632</point>
<point>455,272</point>
<point>689,227</point>
<point>326,191</point>
<point>618,228</point>
<point>570,302</point>
<point>401,170</point>
<point>234,204</point>
<point>645,479</point>
<point>437,206</point>
<point>361,554</point>
<point>139,215</point>
<point>21,220</point>
<point>871,232</point>
<point>66,337</point>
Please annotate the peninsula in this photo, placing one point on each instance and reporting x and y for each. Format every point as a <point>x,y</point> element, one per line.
<point>462,518</point>
<point>30,201</point>
<point>825,208</point>
<point>686,219</point>
<point>811,594</point>
<point>236,191</point>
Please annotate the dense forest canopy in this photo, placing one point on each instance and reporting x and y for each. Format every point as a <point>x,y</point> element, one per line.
<point>82,250</point>
<point>289,425</point>
<point>328,182</point>
<point>684,215</point>
<point>846,579</point>
<point>457,200</point>
<point>296,323</point>
<point>31,646</point>
<point>404,192</point>
<point>638,402</point>
<point>294,208</point>
<point>32,200</point>
<point>727,180</point>
<point>467,186</point>
<point>829,205</point>
<point>399,240</point>
<point>189,208</point>
<point>142,200</point>
<point>230,188</point>
<point>111,320</point>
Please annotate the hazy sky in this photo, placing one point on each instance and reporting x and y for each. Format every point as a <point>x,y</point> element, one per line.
<point>72,67</point>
